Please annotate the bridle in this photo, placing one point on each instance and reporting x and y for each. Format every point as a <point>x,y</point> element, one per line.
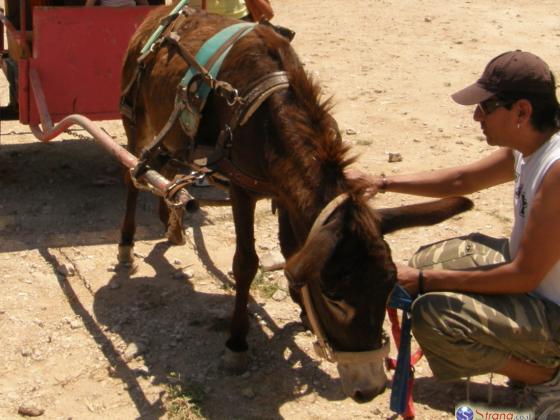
<point>322,346</point>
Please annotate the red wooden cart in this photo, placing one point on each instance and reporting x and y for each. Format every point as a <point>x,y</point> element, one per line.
<point>63,64</point>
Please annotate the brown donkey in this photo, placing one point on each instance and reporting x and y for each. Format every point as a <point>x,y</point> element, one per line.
<point>288,149</point>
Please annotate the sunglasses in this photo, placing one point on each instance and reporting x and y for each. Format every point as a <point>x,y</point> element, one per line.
<point>490,105</point>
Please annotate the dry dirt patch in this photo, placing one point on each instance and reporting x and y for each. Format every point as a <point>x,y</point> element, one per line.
<point>98,344</point>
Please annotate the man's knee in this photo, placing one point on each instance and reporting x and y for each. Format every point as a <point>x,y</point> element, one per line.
<point>429,314</point>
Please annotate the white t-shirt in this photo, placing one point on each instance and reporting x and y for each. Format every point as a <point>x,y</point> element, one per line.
<point>529,172</point>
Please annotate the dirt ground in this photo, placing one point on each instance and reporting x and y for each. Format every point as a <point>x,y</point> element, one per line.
<point>96,344</point>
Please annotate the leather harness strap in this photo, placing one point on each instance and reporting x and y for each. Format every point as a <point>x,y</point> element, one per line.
<point>228,169</point>
<point>220,159</point>
<point>322,346</point>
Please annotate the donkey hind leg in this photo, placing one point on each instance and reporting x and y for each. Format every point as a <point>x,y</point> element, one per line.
<point>245,264</point>
<point>128,229</point>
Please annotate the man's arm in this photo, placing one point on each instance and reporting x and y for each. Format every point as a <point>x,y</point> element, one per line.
<point>259,9</point>
<point>494,169</point>
<point>538,252</point>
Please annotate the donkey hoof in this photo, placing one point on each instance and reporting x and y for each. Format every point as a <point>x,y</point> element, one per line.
<point>235,362</point>
<point>126,259</point>
<point>126,254</point>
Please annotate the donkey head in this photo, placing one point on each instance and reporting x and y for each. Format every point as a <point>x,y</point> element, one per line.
<point>347,269</point>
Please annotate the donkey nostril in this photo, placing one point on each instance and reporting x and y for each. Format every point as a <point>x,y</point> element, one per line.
<point>362,397</point>
<point>359,397</point>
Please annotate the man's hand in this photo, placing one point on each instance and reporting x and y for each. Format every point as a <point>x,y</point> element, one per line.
<point>375,183</point>
<point>407,277</point>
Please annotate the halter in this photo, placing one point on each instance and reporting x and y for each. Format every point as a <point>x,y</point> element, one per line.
<point>322,346</point>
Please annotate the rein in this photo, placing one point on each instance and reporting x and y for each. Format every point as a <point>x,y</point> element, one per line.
<point>322,346</point>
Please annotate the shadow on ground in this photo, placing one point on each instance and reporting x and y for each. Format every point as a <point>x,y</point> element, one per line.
<point>70,194</point>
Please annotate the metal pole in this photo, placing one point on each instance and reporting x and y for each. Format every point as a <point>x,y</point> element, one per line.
<point>154,179</point>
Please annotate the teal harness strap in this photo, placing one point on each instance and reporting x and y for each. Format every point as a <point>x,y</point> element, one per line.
<point>210,47</point>
<point>190,117</point>
<point>161,27</point>
<point>210,54</point>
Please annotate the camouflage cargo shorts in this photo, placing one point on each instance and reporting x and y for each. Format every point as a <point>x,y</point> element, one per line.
<point>462,253</point>
<point>468,334</point>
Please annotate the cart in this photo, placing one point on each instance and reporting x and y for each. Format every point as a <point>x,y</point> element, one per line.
<point>63,64</point>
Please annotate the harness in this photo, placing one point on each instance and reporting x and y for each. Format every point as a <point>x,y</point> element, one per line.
<point>191,96</point>
<point>322,346</point>
<point>401,400</point>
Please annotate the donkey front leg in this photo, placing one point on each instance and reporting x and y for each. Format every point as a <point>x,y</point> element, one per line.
<point>128,228</point>
<point>245,264</point>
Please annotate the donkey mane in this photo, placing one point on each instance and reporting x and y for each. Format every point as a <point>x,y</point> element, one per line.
<point>311,152</point>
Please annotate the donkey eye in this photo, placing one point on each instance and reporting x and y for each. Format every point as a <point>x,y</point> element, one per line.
<point>333,295</point>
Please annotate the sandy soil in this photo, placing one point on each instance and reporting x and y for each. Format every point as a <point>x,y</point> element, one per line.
<point>97,344</point>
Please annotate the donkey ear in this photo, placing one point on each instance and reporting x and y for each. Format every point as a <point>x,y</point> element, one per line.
<point>423,214</point>
<point>314,254</point>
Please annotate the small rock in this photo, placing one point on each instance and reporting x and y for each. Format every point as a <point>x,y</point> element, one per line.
<point>272,261</point>
<point>248,392</point>
<point>428,19</point>
<point>133,350</point>
<point>114,284</point>
<point>75,324</point>
<point>177,262</point>
<point>30,411</point>
<point>143,371</point>
<point>395,157</point>
<point>351,131</point>
<point>179,275</point>
<point>66,269</point>
<point>279,295</point>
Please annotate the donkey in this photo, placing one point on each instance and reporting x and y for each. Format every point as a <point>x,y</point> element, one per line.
<point>288,148</point>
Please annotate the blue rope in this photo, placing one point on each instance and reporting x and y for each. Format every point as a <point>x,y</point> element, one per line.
<point>400,299</point>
